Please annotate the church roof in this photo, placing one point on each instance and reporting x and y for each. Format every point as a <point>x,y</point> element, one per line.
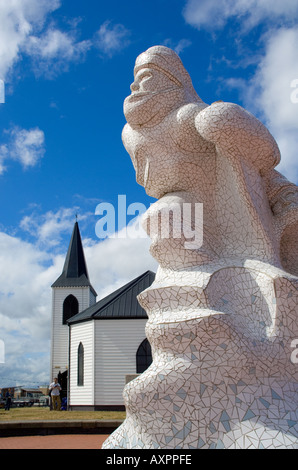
<point>75,273</point>
<point>122,303</point>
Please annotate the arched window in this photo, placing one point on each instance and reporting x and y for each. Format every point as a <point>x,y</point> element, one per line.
<point>80,365</point>
<point>70,308</point>
<point>144,356</point>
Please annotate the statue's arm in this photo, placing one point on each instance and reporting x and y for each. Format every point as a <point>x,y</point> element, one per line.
<point>235,131</point>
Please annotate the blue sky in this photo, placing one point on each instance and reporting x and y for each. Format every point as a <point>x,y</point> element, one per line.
<point>67,66</point>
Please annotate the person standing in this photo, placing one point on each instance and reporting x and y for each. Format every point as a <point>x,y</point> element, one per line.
<point>8,400</point>
<point>55,395</point>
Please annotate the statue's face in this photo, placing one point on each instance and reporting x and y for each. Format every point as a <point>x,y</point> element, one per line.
<point>153,96</point>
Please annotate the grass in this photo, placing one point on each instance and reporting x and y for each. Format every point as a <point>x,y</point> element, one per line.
<point>44,414</point>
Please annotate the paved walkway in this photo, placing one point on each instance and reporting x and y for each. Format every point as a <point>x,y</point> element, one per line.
<point>73,441</point>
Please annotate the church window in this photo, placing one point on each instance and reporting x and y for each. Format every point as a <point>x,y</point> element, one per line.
<point>144,356</point>
<point>70,308</point>
<point>80,365</point>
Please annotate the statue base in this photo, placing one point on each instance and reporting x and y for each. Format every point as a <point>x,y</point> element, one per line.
<point>223,374</point>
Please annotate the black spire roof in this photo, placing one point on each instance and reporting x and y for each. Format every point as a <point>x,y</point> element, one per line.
<point>75,273</point>
<point>121,303</point>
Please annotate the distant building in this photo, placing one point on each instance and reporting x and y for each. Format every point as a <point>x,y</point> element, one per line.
<point>22,392</point>
<point>25,392</point>
<point>95,345</point>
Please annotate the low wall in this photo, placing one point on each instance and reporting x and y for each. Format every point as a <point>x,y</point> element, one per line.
<point>43,428</point>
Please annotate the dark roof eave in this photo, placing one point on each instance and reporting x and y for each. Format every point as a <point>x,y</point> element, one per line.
<point>58,285</point>
<point>99,310</point>
<point>84,320</point>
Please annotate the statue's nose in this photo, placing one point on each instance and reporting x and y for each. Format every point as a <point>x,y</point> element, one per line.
<point>134,86</point>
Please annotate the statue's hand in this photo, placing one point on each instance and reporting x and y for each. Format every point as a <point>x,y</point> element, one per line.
<point>222,122</point>
<point>237,132</point>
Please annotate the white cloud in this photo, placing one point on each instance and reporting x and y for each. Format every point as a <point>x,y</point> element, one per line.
<point>54,50</point>
<point>278,70</point>
<point>26,30</point>
<point>268,95</point>
<point>49,228</point>
<point>116,261</point>
<point>213,14</point>
<point>182,44</point>
<point>55,43</point>
<point>177,46</point>
<point>18,19</point>
<point>268,92</point>
<point>111,39</point>
<point>25,294</point>
<point>4,154</point>
<point>24,308</point>
<point>24,146</point>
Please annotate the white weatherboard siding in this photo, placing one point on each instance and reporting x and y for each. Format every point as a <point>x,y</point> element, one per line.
<point>116,345</point>
<point>59,355</point>
<point>82,395</point>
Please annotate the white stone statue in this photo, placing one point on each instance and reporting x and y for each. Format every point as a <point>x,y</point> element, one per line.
<point>223,309</point>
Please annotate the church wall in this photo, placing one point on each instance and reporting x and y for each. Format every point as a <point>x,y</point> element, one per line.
<point>59,349</point>
<point>116,344</point>
<point>82,395</point>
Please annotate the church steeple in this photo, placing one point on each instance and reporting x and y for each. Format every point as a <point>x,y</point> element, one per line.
<point>72,292</point>
<point>75,273</point>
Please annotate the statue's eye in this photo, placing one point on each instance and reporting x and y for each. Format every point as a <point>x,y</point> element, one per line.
<point>144,76</point>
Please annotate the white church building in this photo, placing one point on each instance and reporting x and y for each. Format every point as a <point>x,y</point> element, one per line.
<point>96,345</point>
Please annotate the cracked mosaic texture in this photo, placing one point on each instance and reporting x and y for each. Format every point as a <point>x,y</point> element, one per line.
<point>222,316</point>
